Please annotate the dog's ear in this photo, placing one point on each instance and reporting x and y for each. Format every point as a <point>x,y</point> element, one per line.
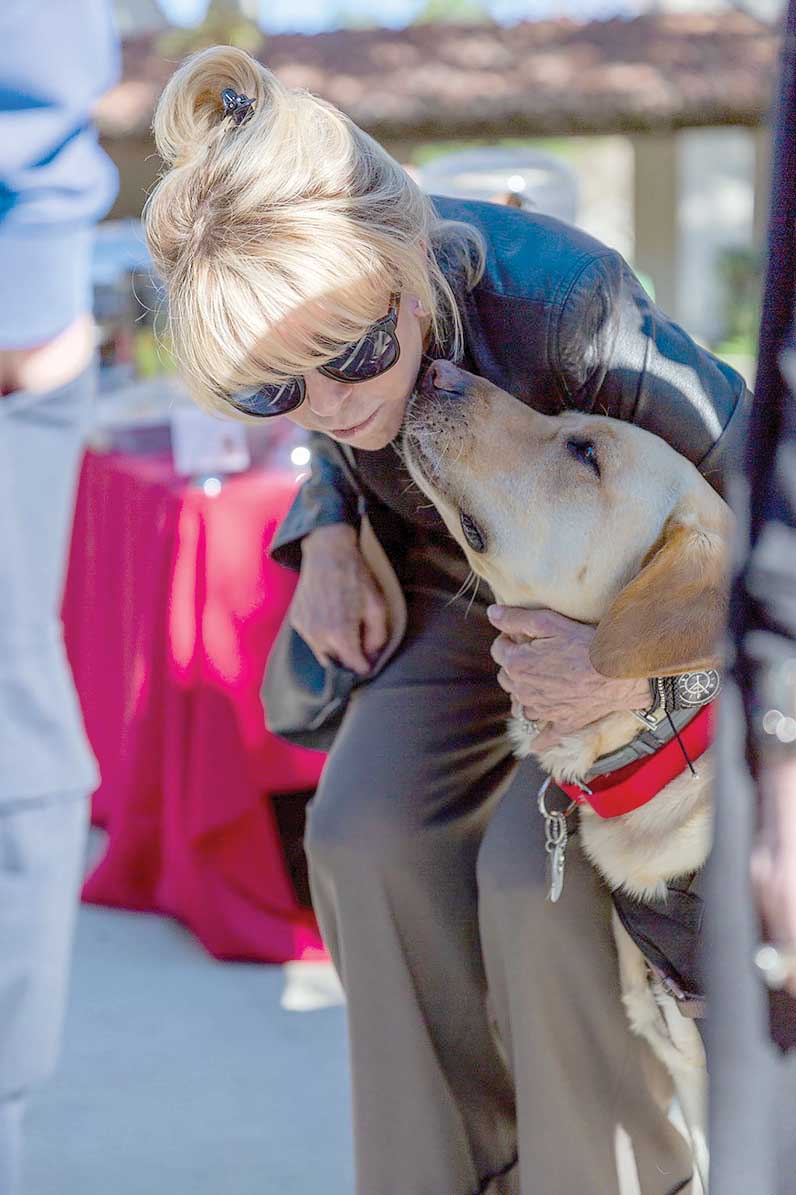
<point>670,617</point>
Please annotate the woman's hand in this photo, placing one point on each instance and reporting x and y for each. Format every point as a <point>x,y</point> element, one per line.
<point>545,667</point>
<point>774,856</point>
<point>338,608</point>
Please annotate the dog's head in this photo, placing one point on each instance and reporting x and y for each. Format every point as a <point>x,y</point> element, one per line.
<point>589,516</point>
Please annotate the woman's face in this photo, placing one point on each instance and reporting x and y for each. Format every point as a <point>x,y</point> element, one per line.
<point>368,415</point>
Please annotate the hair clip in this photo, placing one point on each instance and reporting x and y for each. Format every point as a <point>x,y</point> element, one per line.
<point>236,106</point>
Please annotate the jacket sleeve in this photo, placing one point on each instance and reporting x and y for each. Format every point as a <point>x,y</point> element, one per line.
<point>617,354</point>
<point>326,497</point>
<point>55,181</point>
<point>763,607</point>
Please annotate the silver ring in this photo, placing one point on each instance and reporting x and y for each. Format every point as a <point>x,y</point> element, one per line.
<point>529,725</point>
<point>776,964</point>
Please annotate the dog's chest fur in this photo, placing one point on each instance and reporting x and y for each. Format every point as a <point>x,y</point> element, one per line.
<point>640,851</point>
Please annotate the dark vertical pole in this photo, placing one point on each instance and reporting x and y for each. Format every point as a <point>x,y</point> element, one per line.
<point>779,301</point>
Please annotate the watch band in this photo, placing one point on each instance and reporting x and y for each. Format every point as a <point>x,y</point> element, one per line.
<point>689,690</point>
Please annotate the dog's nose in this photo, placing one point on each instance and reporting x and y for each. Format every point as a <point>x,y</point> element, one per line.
<point>444,375</point>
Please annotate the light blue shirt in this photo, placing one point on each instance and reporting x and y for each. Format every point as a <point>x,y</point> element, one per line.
<point>56,58</point>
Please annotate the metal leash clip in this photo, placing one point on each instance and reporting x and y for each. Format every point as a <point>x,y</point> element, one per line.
<point>556,837</point>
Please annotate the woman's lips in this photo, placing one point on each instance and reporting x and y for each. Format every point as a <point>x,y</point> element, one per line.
<point>345,433</point>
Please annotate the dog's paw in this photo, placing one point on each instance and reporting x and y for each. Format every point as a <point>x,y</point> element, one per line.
<point>570,759</point>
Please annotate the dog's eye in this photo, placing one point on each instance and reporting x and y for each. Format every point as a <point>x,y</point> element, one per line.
<point>584,450</point>
<point>472,533</point>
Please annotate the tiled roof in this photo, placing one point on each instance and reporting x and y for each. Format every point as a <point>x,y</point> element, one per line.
<point>653,72</point>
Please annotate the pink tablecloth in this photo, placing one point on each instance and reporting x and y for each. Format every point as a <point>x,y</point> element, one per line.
<point>170,608</point>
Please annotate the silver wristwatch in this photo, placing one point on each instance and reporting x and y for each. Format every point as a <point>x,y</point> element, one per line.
<point>689,690</point>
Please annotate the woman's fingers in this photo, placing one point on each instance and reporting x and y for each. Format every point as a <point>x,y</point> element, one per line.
<point>337,607</point>
<point>518,623</point>
<point>374,622</point>
<point>347,648</point>
<point>505,682</point>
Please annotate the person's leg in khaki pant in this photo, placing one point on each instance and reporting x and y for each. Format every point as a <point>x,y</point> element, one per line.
<point>393,838</point>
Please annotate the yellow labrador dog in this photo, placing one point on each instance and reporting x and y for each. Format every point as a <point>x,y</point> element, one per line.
<point>603,522</point>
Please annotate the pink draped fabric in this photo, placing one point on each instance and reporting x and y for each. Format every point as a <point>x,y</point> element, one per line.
<point>170,609</point>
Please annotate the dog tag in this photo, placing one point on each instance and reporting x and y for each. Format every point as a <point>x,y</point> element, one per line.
<point>556,837</point>
<point>556,862</point>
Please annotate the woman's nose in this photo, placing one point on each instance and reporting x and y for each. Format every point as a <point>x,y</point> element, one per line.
<point>325,396</point>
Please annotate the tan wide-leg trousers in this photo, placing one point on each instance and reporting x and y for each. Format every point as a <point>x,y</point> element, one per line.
<point>489,1048</point>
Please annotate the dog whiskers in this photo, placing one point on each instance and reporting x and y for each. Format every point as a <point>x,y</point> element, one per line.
<point>474,595</point>
<point>462,588</point>
<point>472,579</point>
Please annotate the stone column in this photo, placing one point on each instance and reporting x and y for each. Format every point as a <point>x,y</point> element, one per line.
<point>655,196</point>
<point>762,141</point>
<point>716,215</point>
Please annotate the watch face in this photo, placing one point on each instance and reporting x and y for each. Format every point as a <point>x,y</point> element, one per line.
<point>697,688</point>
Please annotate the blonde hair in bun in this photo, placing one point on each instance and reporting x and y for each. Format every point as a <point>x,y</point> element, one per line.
<point>294,211</point>
<point>190,113</point>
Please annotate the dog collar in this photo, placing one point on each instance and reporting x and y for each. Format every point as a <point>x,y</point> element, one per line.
<point>628,788</point>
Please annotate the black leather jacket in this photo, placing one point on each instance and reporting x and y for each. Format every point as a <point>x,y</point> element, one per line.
<point>560,321</point>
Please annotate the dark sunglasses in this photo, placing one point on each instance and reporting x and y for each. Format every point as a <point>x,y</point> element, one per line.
<point>372,355</point>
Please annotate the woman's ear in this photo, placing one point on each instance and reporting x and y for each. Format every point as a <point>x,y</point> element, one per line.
<point>670,618</point>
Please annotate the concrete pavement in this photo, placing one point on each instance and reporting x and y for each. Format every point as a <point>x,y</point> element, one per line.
<point>185,1076</point>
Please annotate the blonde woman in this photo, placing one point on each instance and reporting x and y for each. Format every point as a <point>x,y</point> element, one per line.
<point>310,279</point>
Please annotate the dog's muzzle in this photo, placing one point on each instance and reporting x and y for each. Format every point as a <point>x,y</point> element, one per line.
<point>443,379</point>
<point>436,421</point>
